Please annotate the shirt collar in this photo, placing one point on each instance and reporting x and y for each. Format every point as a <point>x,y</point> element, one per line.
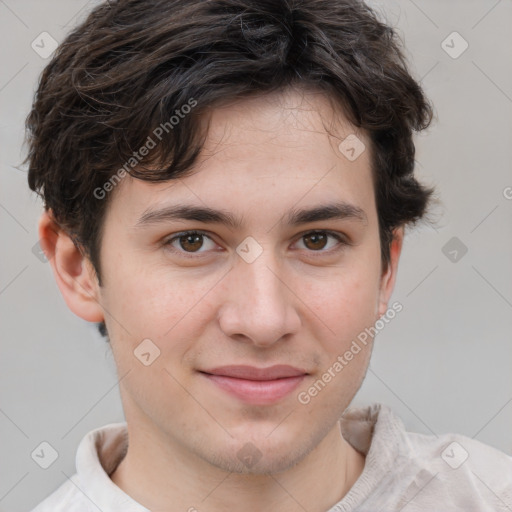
<point>98,455</point>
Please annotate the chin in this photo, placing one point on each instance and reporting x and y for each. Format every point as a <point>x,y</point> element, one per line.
<point>262,454</point>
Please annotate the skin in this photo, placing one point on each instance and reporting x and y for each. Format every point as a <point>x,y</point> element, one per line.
<point>300,302</point>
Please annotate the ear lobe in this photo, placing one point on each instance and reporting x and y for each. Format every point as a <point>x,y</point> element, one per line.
<point>73,272</point>
<point>388,278</point>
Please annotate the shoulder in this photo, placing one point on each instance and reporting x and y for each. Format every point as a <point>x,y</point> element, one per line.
<point>66,498</point>
<point>456,454</point>
<point>457,470</point>
<point>424,472</point>
<point>98,453</point>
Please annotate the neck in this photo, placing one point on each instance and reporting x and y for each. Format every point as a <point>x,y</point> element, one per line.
<point>163,476</point>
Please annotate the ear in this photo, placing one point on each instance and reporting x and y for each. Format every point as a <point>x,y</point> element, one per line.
<point>74,273</point>
<point>388,277</point>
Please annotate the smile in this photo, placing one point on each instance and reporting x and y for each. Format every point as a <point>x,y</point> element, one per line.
<point>256,386</point>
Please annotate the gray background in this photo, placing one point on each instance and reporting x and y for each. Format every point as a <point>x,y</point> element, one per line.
<point>443,364</point>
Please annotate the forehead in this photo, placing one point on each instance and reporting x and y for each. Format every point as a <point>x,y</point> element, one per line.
<point>269,151</point>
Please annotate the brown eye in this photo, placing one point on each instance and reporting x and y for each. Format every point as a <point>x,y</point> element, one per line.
<point>320,241</point>
<point>315,241</point>
<point>191,242</point>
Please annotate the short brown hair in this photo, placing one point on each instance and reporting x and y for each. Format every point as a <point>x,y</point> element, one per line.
<point>133,64</point>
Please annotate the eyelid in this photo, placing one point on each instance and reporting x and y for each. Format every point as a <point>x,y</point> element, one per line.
<point>341,237</point>
<point>168,241</point>
<point>342,242</point>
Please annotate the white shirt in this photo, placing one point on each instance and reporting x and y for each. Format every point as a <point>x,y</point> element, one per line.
<point>403,471</point>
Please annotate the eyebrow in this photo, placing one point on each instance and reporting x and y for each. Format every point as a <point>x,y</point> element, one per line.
<point>332,211</point>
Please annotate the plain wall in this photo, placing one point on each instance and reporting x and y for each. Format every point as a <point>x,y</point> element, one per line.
<point>443,364</point>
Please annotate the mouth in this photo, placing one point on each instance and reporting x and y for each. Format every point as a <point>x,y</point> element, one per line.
<point>256,385</point>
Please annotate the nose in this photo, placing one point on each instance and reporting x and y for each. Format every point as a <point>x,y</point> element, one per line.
<point>259,305</point>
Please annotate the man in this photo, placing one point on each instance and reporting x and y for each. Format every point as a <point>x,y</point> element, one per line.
<point>226,188</point>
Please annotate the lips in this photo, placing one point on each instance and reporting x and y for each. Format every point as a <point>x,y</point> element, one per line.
<point>279,371</point>
<point>257,386</point>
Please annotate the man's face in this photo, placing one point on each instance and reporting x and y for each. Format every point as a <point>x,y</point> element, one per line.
<point>264,293</point>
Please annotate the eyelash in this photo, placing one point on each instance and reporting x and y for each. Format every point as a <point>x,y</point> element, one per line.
<point>342,242</point>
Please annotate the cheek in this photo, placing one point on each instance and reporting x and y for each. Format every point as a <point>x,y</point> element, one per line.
<point>340,315</point>
<point>345,301</point>
<point>154,304</point>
